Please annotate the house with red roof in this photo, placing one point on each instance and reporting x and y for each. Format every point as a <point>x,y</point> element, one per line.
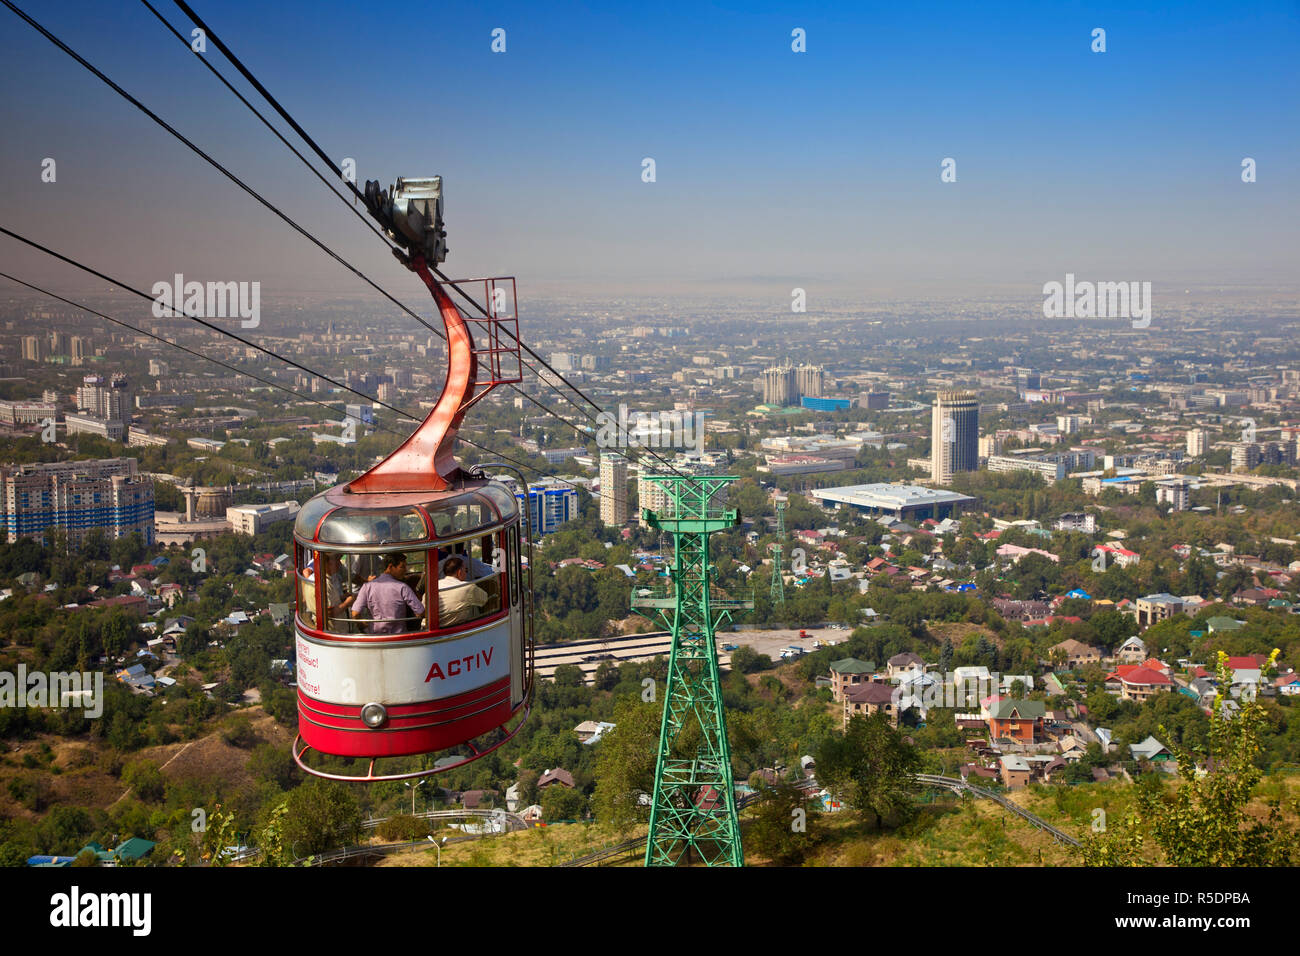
<point>1288,684</point>
<point>1248,662</point>
<point>1117,555</point>
<point>1141,683</point>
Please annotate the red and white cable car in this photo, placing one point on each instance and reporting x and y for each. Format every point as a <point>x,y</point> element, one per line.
<point>413,623</point>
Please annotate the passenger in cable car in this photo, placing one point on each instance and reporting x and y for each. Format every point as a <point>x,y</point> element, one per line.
<point>477,569</point>
<point>388,598</point>
<point>337,601</point>
<point>459,600</point>
<point>367,567</point>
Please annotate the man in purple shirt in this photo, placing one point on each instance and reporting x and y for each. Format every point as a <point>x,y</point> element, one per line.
<point>395,608</point>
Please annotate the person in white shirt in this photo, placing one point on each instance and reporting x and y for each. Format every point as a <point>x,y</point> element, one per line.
<point>459,600</point>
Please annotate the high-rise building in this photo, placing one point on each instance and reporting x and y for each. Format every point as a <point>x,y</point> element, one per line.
<point>79,347</point>
<point>110,403</point>
<point>613,490</point>
<point>1176,493</point>
<point>810,381</point>
<point>92,397</point>
<point>1245,456</point>
<point>1196,442</point>
<point>780,386</point>
<point>954,436</point>
<point>76,497</point>
<point>551,503</point>
<point>33,348</point>
<point>650,496</point>
<point>786,384</point>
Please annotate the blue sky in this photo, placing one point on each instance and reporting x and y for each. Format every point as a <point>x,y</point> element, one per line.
<point>773,168</point>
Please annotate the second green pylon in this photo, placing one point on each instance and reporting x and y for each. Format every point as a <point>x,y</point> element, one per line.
<point>693,809</point>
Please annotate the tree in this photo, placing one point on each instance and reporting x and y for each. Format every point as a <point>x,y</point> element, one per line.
<point>561,803</point>
<point>782,828</point>
<point>871,768</point>
<point>1205,821</point>
<point>321,814</point>
<point>273,764</point>
<point>746,660</point>
<point>625,763</point>
<point>239,732</point>
<point>145,779</point>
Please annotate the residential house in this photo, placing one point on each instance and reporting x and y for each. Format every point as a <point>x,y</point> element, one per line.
<point>1221,624</point>
<point>1132,651</point>
<point>1122,557</point>
<point>1141,683</point>
<point>558,775</point>
<point>980,774</point>
<point>848,672</point>
<point>1020,720</point>
<point>1015,771</point>
<point>1288,684</point>
<point>1155,608</point>
<point>1014,552</point>
<point>870,698</point>
<point>1152,750</point>
<point>1021,610</point>
<point>1072,748</point>
<point>904,662</point>
<point>590,731</point>
<point>1076,653</point>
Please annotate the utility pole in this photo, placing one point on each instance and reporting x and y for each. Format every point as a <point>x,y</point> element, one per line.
<point>693,809</point>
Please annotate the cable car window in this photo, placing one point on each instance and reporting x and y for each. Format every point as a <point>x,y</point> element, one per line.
<point>505,502</point>
<point>368,526</point>
<point>469,587</point>
<point>512,562</point>
<point>304,526</point>
<point>306,587</point>
<point>390,602</point>
<point>459,518</point>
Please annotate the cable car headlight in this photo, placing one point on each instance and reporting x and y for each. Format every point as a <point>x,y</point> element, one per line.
<point>374,716</point>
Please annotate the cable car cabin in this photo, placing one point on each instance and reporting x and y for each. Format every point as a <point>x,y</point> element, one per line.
<point>411,625</point>
<point>413,621</point>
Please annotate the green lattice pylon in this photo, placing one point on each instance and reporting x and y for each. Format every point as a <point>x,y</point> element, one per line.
<point>693,809</point>
<point>778,555</point>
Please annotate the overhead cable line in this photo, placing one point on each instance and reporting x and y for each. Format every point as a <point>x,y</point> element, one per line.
<point>248,75</point>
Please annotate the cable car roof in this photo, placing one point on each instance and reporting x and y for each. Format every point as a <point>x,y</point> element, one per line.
<point>338,517</point>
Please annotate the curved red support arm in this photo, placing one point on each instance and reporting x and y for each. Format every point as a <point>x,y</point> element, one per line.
<point>424,462</point>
